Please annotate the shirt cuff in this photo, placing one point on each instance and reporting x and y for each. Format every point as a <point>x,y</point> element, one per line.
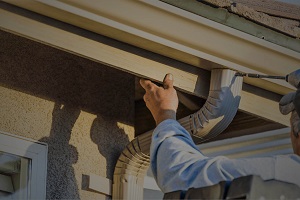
<point>162,125</point>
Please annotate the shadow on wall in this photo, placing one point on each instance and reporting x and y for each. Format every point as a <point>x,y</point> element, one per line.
<point>80,85</point>
<point>106,133</point>
<point>62,155</point>
<point>54,75</point>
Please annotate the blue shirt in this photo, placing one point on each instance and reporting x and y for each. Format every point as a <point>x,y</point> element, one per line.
<point>177,164</point>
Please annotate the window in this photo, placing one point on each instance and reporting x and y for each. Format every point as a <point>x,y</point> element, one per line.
<point>23,168</point>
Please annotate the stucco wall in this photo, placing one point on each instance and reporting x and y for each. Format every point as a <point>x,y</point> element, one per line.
<point>83,110</point>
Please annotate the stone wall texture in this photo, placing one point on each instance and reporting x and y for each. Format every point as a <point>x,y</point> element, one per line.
<point>83,110</point>
<point>262,13</point>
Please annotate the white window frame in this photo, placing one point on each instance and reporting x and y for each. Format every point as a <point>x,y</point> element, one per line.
<point>35,151</point>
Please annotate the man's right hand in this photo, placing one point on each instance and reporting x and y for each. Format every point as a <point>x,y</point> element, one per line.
<point>161,101</point>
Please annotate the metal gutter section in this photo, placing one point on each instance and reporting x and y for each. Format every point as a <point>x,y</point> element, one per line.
<point>199,41</point>
<point>216,114</point>
<point>96,47</point>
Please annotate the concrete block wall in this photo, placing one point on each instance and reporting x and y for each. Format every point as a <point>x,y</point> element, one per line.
<point>83,110</point>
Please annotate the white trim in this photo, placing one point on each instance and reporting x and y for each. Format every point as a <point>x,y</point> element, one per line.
<point>261,144</point>
<point>100,184</point>
<point>237,140</point>
<point>36,152</point>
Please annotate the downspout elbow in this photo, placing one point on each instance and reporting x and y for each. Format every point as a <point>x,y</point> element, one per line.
<point>216,114</point>
<point>220,107</point>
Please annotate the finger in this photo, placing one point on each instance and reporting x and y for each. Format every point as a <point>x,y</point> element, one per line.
<point>146,84</point>
<point>286,109</point>
<point>296,101</point>
<point>286,103</point>
<point>288,98</point>
<point>168,81</point>
<point>146,98</point>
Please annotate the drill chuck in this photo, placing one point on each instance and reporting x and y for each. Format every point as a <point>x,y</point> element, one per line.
<point>261,76</point>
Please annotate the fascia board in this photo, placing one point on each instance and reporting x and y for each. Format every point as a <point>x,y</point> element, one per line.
<point>160,23</point>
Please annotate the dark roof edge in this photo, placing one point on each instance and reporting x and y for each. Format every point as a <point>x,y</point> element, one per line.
<point>222,15</point>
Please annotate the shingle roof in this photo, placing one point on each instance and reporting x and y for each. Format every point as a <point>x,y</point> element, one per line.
<point>279,16</point>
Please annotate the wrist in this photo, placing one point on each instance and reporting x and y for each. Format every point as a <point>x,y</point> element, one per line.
<point>164,115</point>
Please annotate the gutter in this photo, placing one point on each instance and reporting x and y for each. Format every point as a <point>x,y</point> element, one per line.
<point>211,120</point>
<point>199,41</point>
<point>188,47</point>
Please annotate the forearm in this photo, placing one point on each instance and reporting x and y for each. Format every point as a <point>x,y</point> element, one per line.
<point>176,162</point>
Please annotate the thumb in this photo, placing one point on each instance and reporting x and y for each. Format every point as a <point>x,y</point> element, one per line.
<point>286,103</point>
<point>168,81</point>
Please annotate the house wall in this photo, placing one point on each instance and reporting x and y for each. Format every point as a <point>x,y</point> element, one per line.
<point>83,110</point>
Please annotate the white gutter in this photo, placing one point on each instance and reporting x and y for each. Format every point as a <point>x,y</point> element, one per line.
<point>216,114</point>
<point>187,79</point>
<point>176,33</point>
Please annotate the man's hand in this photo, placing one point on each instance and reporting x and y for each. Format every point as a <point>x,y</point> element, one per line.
<point>289,103</point>
<point>161,101</point>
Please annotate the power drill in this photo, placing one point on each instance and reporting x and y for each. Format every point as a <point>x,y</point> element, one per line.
<point>292,78</point>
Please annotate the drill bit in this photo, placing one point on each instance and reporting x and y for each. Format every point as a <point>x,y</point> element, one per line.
<point>260,76</point>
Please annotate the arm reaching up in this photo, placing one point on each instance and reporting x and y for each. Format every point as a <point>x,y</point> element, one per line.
<point>176,162</point>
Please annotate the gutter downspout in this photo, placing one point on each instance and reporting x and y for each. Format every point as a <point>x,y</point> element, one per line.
<point>212,119</point>
<point>220,107</point>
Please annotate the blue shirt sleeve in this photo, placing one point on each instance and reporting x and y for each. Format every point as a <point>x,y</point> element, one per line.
<point>177,164</point>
